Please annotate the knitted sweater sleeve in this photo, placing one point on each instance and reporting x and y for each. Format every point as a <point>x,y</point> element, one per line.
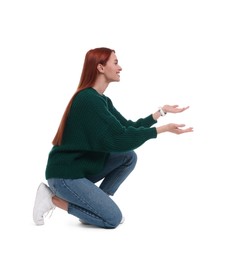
<point>145,122</point>
<point>110,135</point>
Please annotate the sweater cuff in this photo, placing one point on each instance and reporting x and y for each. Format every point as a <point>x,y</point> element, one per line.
<point>150,120</point>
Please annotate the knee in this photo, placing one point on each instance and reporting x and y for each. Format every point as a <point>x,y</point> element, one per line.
<point>114,220</point>
<point>132,158</point>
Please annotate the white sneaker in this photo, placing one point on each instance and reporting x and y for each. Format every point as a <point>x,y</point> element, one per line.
<point>43,204</point>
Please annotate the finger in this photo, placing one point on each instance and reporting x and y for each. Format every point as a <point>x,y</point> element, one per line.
<point>180,125</point>
<point>186,107</point>
<point>190,129</point>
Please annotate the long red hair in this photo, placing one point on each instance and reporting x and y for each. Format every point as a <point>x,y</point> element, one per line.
<point>87,80</point>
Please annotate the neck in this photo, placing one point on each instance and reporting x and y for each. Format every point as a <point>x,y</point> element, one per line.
<point>100,86</point>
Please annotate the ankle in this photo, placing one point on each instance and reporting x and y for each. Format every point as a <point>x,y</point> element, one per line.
<point>62,204</point>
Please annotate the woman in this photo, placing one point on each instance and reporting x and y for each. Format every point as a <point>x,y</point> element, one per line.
<point>94,142</point>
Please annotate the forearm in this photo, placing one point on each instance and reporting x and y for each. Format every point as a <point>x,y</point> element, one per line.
<point>125,139</point>
<point>156,115</point>
<point>160,112</point>
<point>162,129</point>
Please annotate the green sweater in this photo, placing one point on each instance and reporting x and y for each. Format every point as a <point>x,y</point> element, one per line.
<point>95,128</point>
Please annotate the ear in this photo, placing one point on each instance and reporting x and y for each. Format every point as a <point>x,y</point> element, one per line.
<point>100,68</point>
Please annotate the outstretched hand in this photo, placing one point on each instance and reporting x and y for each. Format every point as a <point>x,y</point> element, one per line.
<point>174,109</point>
<point>177,128</point>
<point>173,128</point>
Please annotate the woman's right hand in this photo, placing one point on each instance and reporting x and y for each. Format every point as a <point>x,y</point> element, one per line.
<point>174,128</point>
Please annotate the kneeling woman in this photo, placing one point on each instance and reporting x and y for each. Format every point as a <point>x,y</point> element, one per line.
<point>95,143</point>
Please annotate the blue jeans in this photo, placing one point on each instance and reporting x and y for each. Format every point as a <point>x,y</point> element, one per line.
<point>91,203</point>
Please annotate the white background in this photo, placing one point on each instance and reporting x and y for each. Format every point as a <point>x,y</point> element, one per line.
<point>176,202</point>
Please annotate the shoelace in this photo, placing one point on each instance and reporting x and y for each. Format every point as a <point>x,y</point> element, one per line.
<point>49,213</point>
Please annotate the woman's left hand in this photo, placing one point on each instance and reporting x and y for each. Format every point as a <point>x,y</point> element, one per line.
<point>174,109</point>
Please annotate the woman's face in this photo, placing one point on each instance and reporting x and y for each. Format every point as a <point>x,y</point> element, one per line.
<point>112,69</point>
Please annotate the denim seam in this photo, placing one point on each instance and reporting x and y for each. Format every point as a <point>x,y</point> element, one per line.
<point>75,194</point>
